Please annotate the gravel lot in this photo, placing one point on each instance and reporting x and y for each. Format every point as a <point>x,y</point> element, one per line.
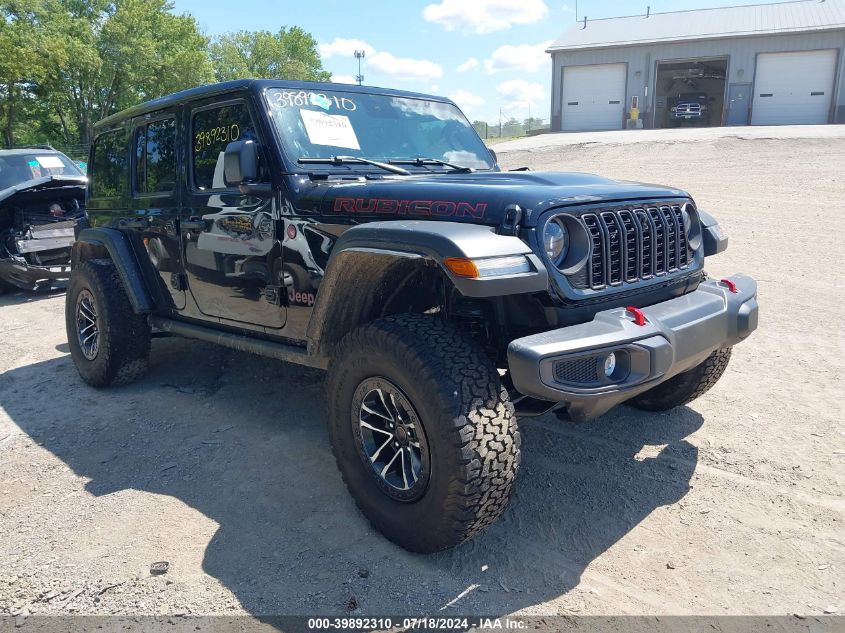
<point>219,463</point>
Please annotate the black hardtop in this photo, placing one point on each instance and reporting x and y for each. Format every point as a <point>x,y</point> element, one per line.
<point>248,85</point>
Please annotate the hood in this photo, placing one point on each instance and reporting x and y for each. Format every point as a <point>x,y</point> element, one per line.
<point>9,194</point>
<point>479,197</point>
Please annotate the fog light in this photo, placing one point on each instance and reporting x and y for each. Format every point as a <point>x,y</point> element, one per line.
<point>610,364</point>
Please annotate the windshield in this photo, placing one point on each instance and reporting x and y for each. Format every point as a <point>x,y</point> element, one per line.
<point>378,127</point>
<point>18,168</point>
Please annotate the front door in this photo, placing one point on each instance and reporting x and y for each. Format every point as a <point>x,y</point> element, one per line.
<point>738,103</point>
<point>231,249</point>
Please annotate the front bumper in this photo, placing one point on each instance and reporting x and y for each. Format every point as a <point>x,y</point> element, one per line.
<point>19,273</point>
<point>568,365</point>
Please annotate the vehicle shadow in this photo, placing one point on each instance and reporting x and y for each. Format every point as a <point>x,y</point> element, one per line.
<point>243,440</point>
<point>16,296</point>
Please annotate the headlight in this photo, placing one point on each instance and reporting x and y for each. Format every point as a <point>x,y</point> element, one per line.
<point>555,241</point>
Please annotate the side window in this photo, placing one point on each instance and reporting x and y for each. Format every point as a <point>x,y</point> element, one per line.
<point>155,157</point>
<point>211,131</point>
<point>110,168</point>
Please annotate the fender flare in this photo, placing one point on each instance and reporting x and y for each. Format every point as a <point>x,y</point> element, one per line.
<point>376,251</point>
<point>93,243</point>
<point>715,239</point>
<point>437,240</point>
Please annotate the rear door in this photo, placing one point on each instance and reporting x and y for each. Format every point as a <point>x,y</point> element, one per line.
<point>793,88</point>
<point>594,97</point>
<point>155,174</point>
<point>230,246</point>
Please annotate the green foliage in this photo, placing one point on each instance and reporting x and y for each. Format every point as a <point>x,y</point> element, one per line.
<point>65,64</point>
<point>288,54</point>
<point>118,54</point>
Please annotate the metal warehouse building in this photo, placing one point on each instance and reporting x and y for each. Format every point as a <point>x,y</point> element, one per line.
<point>766,64</point>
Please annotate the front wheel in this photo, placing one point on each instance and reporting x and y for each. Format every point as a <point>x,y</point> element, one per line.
<point>423,432</point>
<point>686,386</point>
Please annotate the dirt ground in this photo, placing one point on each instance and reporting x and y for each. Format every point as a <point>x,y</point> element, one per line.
<point>219,463</point>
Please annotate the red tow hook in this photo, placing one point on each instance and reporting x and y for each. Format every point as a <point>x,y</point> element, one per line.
<point>639,317</point>
<point>731,285</point>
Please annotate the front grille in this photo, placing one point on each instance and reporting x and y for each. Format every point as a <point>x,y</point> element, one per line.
<point>635,244</point>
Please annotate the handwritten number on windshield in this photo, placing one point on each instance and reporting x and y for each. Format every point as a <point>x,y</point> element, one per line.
<point>301,98</point>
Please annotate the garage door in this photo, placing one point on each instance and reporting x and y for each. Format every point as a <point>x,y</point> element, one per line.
<point>793,87</point>
<point>594,97</point>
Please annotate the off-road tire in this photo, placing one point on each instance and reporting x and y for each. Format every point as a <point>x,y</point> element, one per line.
<point>467,417</point>
<point>686,386</point>
<point>124,345</point>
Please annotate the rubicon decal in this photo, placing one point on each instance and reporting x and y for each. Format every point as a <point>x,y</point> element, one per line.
<point>390,206</point>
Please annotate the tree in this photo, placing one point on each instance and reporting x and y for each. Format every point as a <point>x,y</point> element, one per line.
<point>29,49</point>
<point>481,127</point>
<point>65,64</point>
<point>533,123</point>
<point>289,54</point>
<point>119,53</point>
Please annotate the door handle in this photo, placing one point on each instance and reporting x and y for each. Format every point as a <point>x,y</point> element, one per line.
<point>194,224</point>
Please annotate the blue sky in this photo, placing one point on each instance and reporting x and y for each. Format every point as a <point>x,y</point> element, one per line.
<point>484,54</point>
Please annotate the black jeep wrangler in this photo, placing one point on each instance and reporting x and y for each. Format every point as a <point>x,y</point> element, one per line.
<point>370,232</point>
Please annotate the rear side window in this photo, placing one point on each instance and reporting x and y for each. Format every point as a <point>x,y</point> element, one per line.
<point>212,130</point>
<point>155,157</point>
<point>110,167</point>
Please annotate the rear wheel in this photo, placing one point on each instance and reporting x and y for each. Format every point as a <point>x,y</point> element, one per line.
<point>686,386</point>
<point>109,343</point>
<point>422,430</point>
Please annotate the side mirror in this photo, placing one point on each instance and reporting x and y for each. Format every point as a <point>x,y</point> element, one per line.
<point>495,158</point>
<point>240,162</point>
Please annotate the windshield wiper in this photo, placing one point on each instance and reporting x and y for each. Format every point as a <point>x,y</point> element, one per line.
<point>422,162</point>
<point>337,161</point>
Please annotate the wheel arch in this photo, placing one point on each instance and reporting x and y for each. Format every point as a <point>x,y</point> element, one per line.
<point>104,243</point>
<point>362,285</point>
<point>372,264</point>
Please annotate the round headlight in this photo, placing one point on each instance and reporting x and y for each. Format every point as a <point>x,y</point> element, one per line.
<point>555,241</point>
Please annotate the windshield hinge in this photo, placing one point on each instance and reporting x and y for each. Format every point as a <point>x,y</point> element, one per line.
<point>273,295</point>
<point>511,220</point>
<point>178,281</point>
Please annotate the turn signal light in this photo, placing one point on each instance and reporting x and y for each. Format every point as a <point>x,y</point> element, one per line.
<point>488,266</point>
<point>461,266</point>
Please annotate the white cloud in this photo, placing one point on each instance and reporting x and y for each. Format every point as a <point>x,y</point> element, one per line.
<point>525,57</point>
<point>484,16</point>
<point>404,67</point>
<point>470,64</point>
<point>466,100</point>
<point>344,79</point>
<point>380,61</point>
<point>344,48</point>
<point>519,93</point>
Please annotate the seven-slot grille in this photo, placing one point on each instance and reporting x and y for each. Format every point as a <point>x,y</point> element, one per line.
<point>629,245</point>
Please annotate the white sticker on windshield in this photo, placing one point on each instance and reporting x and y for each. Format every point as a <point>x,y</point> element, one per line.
<point>49,162</point>
<point>329,129</point>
